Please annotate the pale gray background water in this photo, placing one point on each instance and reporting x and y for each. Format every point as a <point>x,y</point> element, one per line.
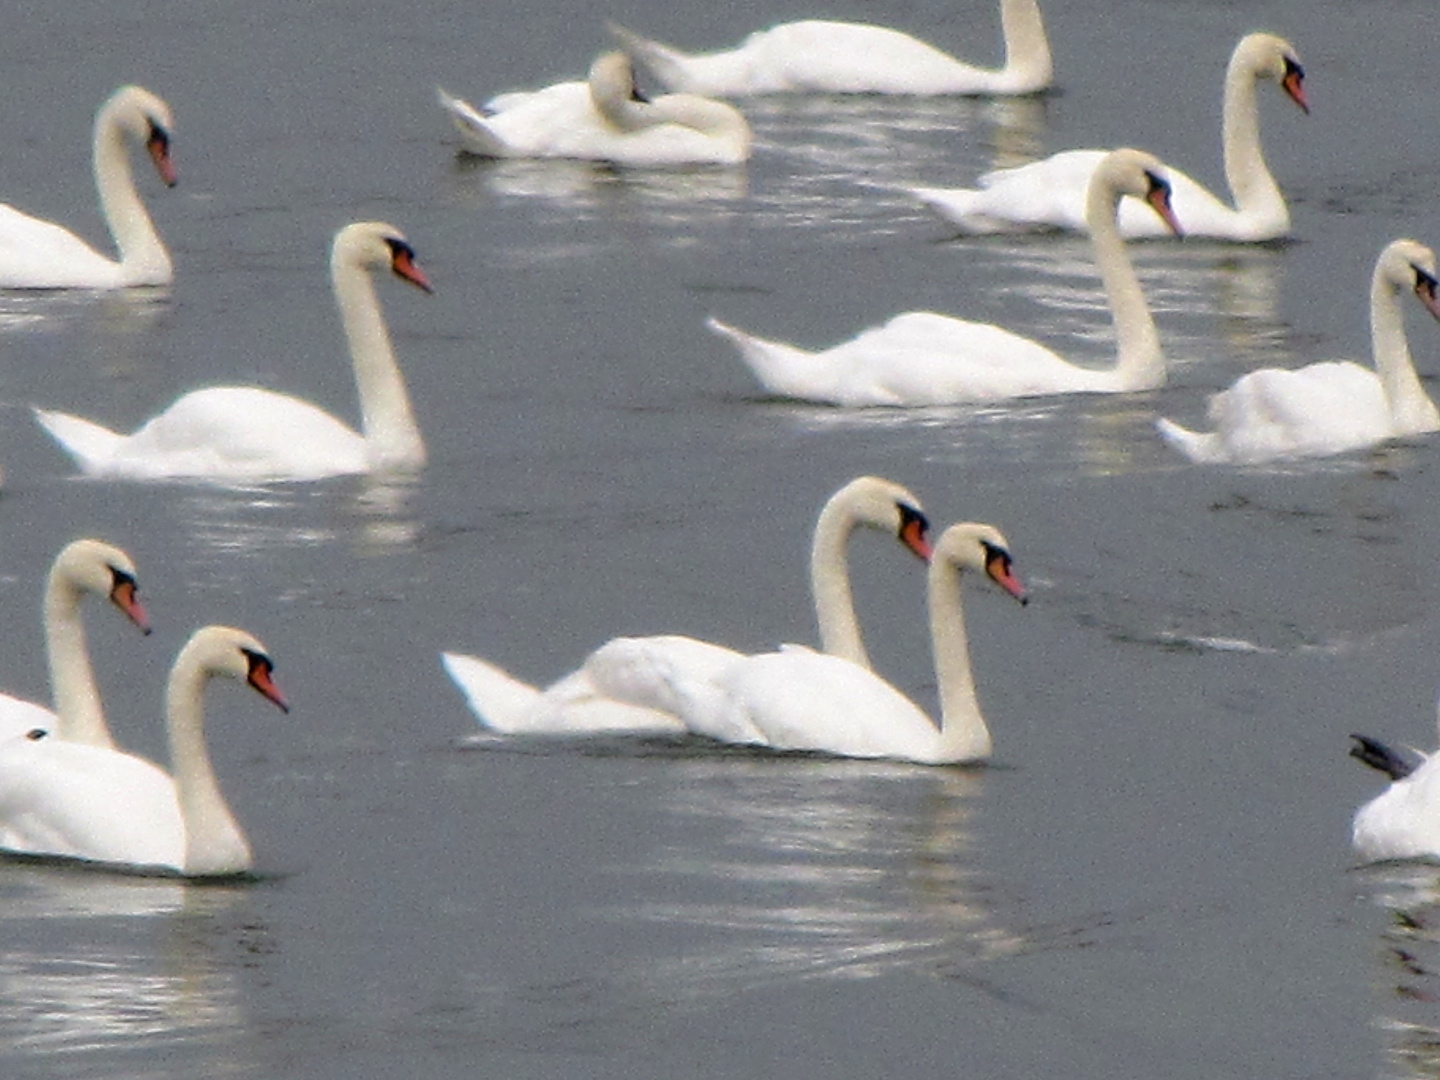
<point>1155,877</point>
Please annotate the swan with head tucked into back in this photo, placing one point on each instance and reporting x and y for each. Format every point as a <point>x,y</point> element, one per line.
<point>37,254</point>
<point>1050,194</point>
<point>797,699</point>
<point>616,689</point>
<point>605,118</point>
<point>924,358</point>
<point>248,433</point>
<point>1403,821</point>
<point>84,802</point>
<point>1335,406</point>
<point>822,57</point>
<point>83,568</point>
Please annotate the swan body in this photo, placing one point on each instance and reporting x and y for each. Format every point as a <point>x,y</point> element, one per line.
<point>603,119</point>
<point>822,57</point>
<point>1335,406</point>
<point>83,568</point>
<point>1050,194</point>
<point>619,687</point>
<point>1403,821</point>
<point>923,358</point>
<point>248,433</point>
<point>797,699</point>
<point>85,802</point>
<point>37,254</point>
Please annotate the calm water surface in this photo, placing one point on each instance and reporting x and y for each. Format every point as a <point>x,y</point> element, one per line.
<point>1154,878</point>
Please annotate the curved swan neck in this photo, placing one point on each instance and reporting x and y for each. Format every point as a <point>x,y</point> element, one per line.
<point>392,436</point>
<point>964,735</point>
<point>830,585</point>
<point>214,842</point>
<point>1411,410</point>
<point>143,256</point>
<point>72,680</point>
<point>1251,183</point>
<point>1027,48</point>
<point>1140,362</point>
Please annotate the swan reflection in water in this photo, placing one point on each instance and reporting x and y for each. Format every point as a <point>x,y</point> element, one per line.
<point>94,961</point>
<point>1407,970</point>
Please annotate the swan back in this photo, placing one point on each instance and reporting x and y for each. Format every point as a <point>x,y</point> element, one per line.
<point>618,99</point>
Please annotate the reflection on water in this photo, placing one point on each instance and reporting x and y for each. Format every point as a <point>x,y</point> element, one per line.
<point>97,962</point>
<point>822,869</point>
<point>1407,977</point>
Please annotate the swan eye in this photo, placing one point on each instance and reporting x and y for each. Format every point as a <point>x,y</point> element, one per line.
<point>1158,186</point>
<point>914,530</point>
<point>1293,70</point>
<point>1425,282</point>
<point>123,595</point>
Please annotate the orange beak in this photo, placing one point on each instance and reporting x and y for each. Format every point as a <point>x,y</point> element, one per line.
<point>123,597</point>
<point>404,266</point>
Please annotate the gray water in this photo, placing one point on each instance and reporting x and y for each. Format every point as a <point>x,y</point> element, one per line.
<point>1154,877</point>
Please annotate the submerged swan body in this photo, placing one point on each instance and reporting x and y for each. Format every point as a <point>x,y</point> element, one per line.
<point>617,688</point>
<point>83,568</point>
<point>1050,194</point>
<point>816,56</point>
<point>1332,407</point>
<point>38,254</point>
<point>84,802</point>
<point>603,119</point>
<point>248,433</point>
<point>797,699</point>
<point>923,358</point>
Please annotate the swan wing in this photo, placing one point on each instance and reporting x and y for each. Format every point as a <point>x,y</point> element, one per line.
<point>38,254</point>
<point>17,716</point>
<point>1325,408</point>
<point>1403,821</point>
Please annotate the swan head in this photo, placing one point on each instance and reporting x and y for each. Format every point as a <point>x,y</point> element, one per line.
<point>1409,264</point>
<point>226,651</point>
<point>885,505</point>
<point>145,117</point>
<point>612,78</point>
<point>973,546</point>
<point>1268,56</point>
<point>374,244</point>
<point>1134,172</point>
<point>102,569</point>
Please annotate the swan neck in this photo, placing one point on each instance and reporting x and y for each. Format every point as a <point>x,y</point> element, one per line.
<point>830,585</point>
<point>1411,410</point>
<point>214,842</point>
<point>1139,363</point>
<point>964,735</point>
<point>1027,47</point>
<point>72,679</point>
<point>143,256</point>
<point>392,437</point>
<point>1251,184</point>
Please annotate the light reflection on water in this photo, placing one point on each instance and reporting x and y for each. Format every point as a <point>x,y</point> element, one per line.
<point>1407,977</point>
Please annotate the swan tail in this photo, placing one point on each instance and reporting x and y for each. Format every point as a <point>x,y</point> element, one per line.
<point>1379,756</point>
<point>783,370</point>
<point>499,701</point>
<point>1198,446</point>
<point>91,446</point>
<point>667,64</point>
<point>475,133</point>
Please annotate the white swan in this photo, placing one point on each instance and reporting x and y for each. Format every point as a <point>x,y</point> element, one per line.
<point>248,433</point>
<point>603,119</point>
<point>36,254</point>
<point>922,358</point>
<point>83,567</point>
<point>1403,821</point>
<point>797,699</point>
<point>614,689</point>
<point>1331,407</point>
<point>1050,194</point>
<point>84,802</point>
<point>851,58</point>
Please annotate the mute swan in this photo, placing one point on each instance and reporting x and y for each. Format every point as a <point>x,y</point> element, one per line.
<point>603,119</point>
<point>1050,194</point>
<point>922,358</point>
<point>1403,821</point>
<point>248,433</point>
<point>84,802</point>
<point>84,567</point>
<point>1331,407</point>
<point>797,699</point>
<point>613,689</point>
<point>851,58</point>
<point>36,254</point>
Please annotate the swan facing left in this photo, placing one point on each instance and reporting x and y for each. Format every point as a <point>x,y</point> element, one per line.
<point>604,118</point>
<point>84,802</point>
<point>245,433</point>
<point>38,254</point>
